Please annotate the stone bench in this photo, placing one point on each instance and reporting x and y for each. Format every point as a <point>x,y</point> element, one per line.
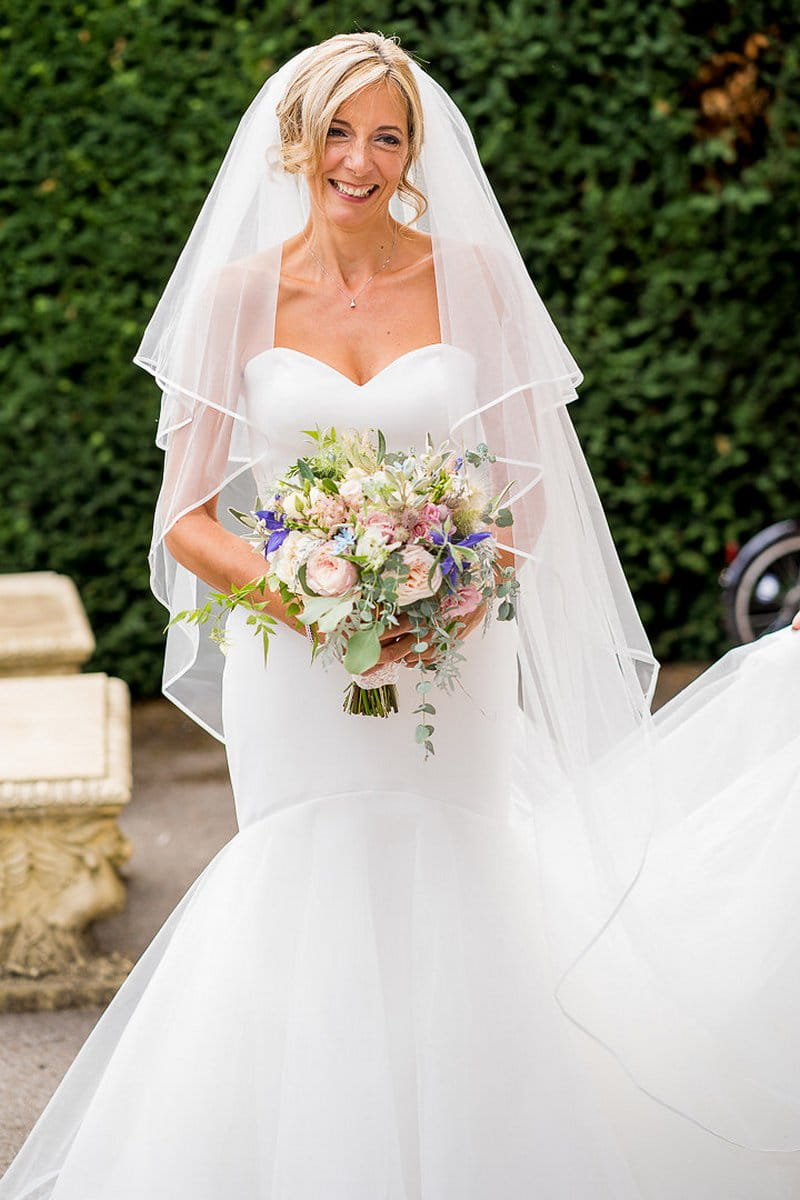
<point>65,775</point>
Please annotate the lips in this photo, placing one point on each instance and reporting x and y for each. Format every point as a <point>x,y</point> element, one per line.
<point>350,192</point>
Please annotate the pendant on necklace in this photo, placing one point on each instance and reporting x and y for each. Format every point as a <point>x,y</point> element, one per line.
<point>352,303</point>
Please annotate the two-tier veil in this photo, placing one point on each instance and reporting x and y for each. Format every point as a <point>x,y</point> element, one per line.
<point>667,897</point>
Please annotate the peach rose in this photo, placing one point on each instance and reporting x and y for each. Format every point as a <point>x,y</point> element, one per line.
<point>415,586</point>
<point>327,573</point>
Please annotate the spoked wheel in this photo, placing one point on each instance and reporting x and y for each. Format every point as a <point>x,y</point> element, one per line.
<point>761,587</point>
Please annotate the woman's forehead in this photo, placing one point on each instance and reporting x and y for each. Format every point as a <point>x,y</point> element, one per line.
<point>375,104</point>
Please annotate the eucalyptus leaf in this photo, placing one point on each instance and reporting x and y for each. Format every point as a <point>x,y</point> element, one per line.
<point>363,650</point>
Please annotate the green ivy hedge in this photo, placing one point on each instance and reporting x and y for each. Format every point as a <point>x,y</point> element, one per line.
<point>646,156</point>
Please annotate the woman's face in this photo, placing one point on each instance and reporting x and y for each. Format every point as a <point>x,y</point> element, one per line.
<point>365,152</point>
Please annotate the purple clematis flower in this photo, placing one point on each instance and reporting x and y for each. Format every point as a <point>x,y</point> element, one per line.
<point>278,531</point>
<point>447,563</point>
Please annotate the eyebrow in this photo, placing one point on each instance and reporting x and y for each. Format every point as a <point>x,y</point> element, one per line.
<point>339,121</point>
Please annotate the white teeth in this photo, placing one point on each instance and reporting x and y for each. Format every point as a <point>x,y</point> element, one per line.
<point>352,191</point>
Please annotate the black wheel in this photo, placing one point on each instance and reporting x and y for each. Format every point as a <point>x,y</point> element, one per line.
<point>761,587</point>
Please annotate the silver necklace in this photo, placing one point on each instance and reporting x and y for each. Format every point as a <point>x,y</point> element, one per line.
<point>351,300</point>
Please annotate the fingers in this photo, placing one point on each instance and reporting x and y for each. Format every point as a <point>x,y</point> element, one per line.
<point>397,641</point>
<point>399,648</point>
<point>392,651</point>
<point>403,626</point>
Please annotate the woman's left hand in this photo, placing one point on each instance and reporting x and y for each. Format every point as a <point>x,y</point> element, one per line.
<point>796,621</point>
<point>467,622</point>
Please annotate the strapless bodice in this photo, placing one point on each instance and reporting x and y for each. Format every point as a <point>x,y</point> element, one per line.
<point>286,391</point>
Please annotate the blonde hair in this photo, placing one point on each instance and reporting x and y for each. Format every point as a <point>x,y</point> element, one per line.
<point>333,72</point>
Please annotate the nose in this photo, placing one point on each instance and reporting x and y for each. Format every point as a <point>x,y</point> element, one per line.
<point>358,155</point>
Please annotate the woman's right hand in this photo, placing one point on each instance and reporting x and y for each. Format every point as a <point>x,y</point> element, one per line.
<point>397,643</point>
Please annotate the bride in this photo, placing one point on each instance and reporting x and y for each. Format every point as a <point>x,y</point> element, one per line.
<point>557,959</point>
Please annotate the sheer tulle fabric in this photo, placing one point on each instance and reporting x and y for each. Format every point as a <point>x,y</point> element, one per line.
<point>657,867</point>
<point>365,992</point>
<point>586,669</point>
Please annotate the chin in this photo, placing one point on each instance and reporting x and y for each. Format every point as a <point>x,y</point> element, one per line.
<point>349,216</point>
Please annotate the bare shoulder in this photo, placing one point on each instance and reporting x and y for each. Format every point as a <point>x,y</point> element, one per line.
<point>249,274</point>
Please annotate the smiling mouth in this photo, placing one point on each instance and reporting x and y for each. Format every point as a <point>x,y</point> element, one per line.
<point>354,193</point>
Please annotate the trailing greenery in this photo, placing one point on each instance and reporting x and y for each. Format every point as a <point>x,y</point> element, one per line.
<point>646,156</point>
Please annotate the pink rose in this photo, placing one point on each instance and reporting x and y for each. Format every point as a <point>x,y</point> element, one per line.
<point>327,573</point>
<point>384,524</point>
<point>427,518</point>
<point>461,602</point>
<point>416,586</point>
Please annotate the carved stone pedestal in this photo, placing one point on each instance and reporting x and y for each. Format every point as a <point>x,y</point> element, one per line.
<point>65,774</point>
<point>43,626</point>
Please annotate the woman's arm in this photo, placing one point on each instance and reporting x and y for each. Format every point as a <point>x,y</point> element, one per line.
<point>221,558</point>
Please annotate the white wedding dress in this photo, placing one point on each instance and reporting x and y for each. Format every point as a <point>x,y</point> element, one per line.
<point>355,1001</point>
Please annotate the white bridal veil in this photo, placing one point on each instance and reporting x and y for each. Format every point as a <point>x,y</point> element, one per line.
<point>670,938</point>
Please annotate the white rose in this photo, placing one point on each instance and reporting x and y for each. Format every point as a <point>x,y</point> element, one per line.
<point>352,493</point>
<point>293,505</point>
<point>291,554</point>
<point>355,473</point>
<point>415,586</point>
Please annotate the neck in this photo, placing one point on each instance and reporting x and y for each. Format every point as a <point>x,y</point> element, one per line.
<point>351,255</point>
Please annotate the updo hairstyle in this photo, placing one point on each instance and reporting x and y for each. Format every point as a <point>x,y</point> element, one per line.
<point>333,72</point>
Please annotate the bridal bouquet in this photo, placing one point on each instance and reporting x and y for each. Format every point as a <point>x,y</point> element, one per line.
<point>353,536</point>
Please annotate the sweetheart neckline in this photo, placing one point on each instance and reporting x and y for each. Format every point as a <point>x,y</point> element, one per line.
<point>335,371</point>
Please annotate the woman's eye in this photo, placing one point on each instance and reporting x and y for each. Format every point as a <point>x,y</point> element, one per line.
<point>388,139</point>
